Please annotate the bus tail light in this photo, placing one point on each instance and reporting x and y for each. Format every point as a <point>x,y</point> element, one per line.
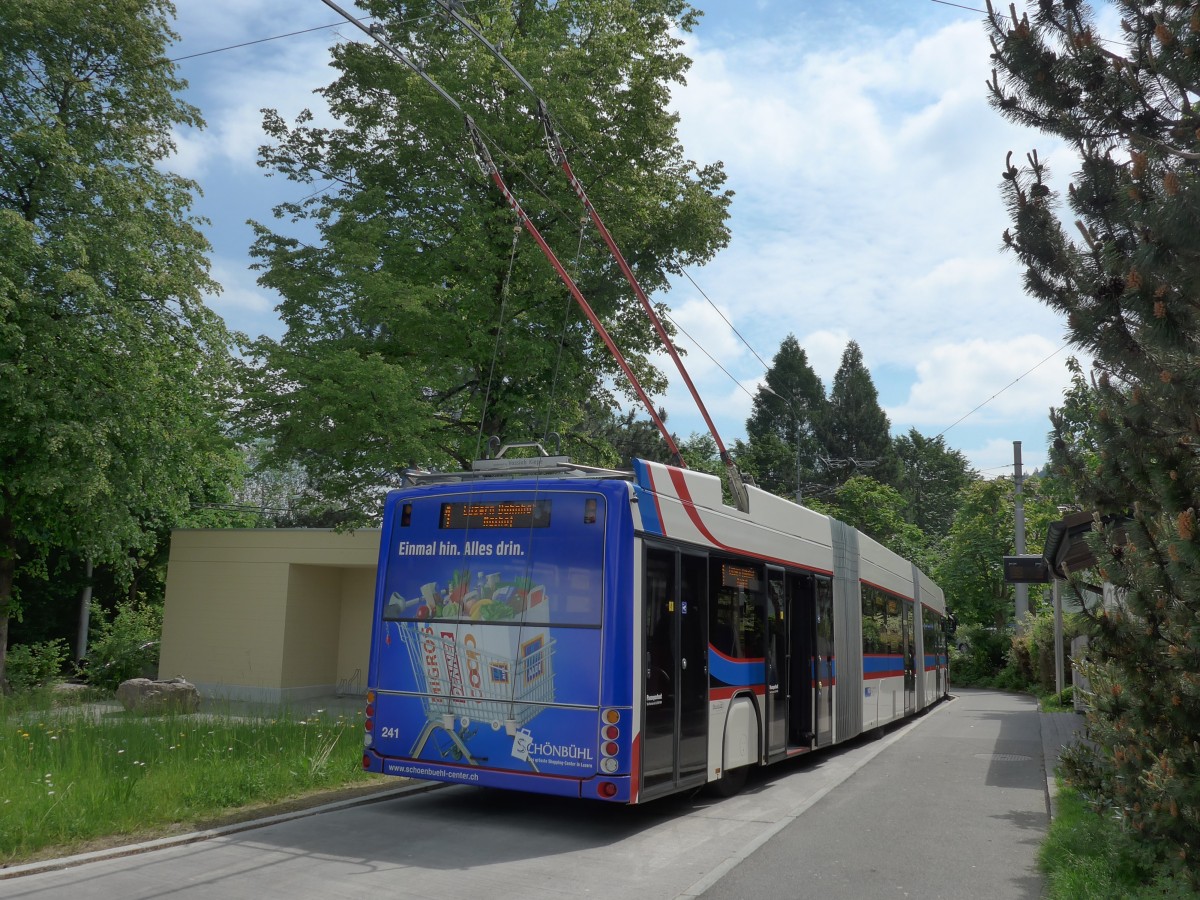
<point>610,746</point>
<point>369,722</point>
<point>606,789</point>
<point>366,761</point>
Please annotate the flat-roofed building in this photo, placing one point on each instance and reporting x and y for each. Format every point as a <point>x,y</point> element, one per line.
<point>271,614</point>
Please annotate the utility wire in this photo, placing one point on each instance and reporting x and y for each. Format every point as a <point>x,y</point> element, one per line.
<point>727,322</point>
<point>698,345</point>
<point>960,6</point>
<point>1002,390</point>
<point>275,37</point>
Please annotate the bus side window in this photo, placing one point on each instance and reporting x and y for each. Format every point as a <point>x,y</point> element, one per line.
<point>736,626</point>
<point>722,630</point>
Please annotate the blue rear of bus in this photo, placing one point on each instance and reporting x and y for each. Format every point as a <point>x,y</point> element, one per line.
<point>494,659</point>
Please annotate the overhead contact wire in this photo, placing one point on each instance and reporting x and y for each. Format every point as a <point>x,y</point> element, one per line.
<point>492,171</point>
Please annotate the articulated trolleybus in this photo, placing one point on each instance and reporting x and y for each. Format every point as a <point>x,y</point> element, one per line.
<point>556,628</point>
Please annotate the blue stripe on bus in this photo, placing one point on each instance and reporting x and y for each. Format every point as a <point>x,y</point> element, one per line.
<point>873,664</point>
<point>645,499</point>
<point>738,672</point>
<point>825,672</point>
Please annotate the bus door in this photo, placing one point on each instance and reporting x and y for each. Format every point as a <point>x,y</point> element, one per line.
<point>824,663</point>
<point>801,615</point>
<point>910,660</point>
<point>675,628</point>
<point>777,664</point>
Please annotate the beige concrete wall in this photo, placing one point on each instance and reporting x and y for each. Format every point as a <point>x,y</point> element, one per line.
<point>310,629</point>
<point>268,613</point>
<point>354,632</point>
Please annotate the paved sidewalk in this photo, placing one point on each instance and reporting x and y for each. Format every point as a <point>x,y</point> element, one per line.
<point>957,808</point>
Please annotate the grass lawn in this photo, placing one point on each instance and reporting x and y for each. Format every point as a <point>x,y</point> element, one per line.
<point>1086,856</point>
<point>75,778</point>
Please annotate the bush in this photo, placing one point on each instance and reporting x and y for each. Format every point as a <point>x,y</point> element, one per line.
<point>977,655</point>
<point>1041,632</point>
<point>33,665</point>
<point>1019,661</point>
<point>1066,697</point>
<point>126,646</point>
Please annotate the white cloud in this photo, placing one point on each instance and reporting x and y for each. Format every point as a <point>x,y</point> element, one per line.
<point>242,303</point>
<point>867,207</point>
<point>1008,380</point>
<point>824,350</point>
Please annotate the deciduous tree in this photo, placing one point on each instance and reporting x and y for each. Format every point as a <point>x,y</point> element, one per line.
<point>421,321</point>
<point>877,510</point>
<point>931,478</point>
<point>971,570</point>
<point>112,371</point>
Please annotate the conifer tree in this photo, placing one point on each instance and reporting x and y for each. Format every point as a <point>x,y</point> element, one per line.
<point>782,449</point>
<point>856,431</point>
<point>1127,279</point>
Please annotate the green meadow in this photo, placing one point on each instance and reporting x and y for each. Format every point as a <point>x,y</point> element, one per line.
<point>80,776</point>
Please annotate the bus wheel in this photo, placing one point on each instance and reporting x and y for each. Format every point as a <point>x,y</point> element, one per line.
<point>730,782</point>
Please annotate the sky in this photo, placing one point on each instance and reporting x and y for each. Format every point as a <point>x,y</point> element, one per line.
<point>865,162</point>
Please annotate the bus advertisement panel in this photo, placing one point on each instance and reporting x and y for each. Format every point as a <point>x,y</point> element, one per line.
<point>487,647</point>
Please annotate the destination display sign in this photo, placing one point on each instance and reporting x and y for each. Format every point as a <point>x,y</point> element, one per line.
<point>533,514</point>
<point>744,577</point>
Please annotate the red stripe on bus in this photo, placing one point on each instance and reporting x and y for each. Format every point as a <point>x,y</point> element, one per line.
<point>685,500</point>
<point>635,768</point>
<point>735,659</point>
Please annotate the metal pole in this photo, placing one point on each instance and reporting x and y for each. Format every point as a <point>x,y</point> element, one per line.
<point>1058,639</point>
<point>1022,592</point>
<point>85,613</point>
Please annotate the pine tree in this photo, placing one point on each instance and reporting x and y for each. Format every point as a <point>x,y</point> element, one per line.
<point>1128,437</point>
<point>856,431</point>
<point>782,450</point>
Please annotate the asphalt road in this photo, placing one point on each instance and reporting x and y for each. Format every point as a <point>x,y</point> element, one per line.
<point>951,805</point>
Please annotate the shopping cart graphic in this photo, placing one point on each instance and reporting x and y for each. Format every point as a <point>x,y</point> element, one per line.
<point>488,674</point>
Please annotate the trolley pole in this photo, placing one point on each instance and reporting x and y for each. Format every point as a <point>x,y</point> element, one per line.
<point>1022,591</point>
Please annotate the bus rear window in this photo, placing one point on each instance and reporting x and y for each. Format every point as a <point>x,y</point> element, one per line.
<point>498,559</point>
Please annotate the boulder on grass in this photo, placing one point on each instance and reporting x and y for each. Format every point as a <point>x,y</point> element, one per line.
<point>141,695</point>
